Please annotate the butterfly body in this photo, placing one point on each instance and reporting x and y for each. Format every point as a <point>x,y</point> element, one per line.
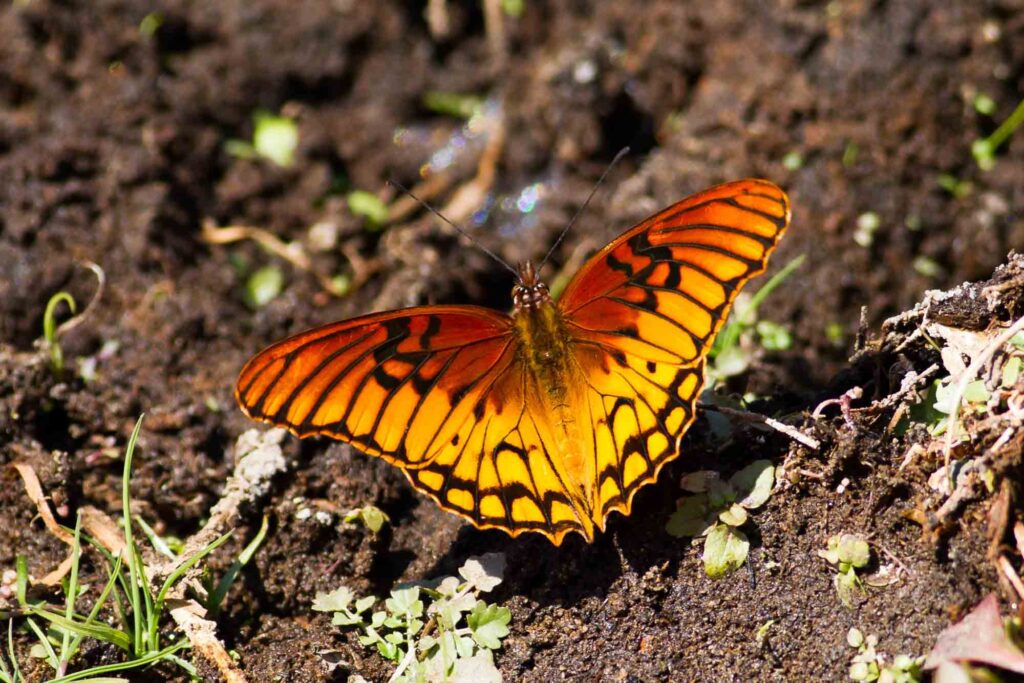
<point>553,417</point>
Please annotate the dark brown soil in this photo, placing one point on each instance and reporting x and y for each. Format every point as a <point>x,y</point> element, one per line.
<point>112,151</point>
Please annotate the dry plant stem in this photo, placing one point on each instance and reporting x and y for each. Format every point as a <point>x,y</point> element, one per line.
<point>297,257</point>
<point>101,282</point>
<point>791,432</point>
<point>470,196</point>
<point>968,376</point>
<point>1011,575</point>
<point>494,24</point>
<point>437,19</point>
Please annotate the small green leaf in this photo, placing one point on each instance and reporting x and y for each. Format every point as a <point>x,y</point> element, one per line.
<point>452,104</point>
<point>735,515</point>
<point>379,618</point>
<point>369,207</point>
<point>489,624</point>
<point>345,619</point>
<point>754,483</point>
<point>334,601</point>
<point>1017,340</point>
<point>846,585</point>
<point>854,550</point>
<point>859,671</point>
<point>762,630</point>
<point>371,516</point>
<point>363,604</point>
<point>731,361</point>
<point>388,650</point>
<point>975,392</point>
<point>773,336</point>
<point>854,637</point>
<point>484,573</point>
<point>476,669</point>
<point>692,518</point>
<point>793,161</point>
<point>983,104</point>
<point>275,138</point>
<point>725,550</point>
<point>1011,371</point>
<point>263,286</point>
<point>405,602</point>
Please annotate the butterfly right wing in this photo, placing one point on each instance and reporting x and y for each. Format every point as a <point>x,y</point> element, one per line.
<point>437,391</point>
<point>643,313</point>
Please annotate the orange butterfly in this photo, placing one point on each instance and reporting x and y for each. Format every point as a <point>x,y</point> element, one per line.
<point>550,418</point>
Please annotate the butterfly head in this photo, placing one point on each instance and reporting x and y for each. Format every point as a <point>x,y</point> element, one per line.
<point>529,293</point>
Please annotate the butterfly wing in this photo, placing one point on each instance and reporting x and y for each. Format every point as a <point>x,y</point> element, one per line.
<point>439,392</point>
<point>643,313</point>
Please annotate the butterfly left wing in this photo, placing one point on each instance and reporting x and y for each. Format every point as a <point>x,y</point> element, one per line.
<point>643,313</point>
<point>437,391</point>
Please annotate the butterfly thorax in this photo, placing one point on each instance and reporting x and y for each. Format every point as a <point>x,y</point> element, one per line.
<point>541,332</point>
<point>544,348</point>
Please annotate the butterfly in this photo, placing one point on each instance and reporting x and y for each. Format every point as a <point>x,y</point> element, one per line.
<point>552,417</point>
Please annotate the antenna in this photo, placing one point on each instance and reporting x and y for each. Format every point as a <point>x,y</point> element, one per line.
<point>457,229</point>
<point>618,157</point>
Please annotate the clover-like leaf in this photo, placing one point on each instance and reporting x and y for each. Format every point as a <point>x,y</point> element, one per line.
<point>363,604</point>
<point>333,601</point>
<point>693,517</point>
<point>725,550</point>
<point>489,624</point>
<point>405,602</point>
<point>853,550</point>
<point>484,573</point>
<point>371,516</point>
<point>754,483</point>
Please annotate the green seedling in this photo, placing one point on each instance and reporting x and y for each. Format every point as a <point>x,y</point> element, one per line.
<point>370,516</point>
<point>847,553</point>
<point>867,225</point>
<point>955,186</point>
<point>151,23</point>
<point>274,138</point>
<point>793,161</point>
<point>728,357</point>
<point>717,509</point>
<point>50,329</point>
<point>513,8</point>
<point>440,633</point>
<point>127,600</point>
<point>984,150</point>
<point>850,154</point>
<point>452,104</point>
<point>369,207</point>
<point>263,286</point>
<point>868,665</point>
